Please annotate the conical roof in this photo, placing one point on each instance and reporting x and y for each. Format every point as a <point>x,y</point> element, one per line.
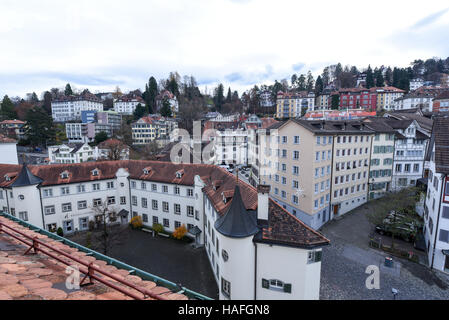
<point>237,222</point>
<point>26,178</point>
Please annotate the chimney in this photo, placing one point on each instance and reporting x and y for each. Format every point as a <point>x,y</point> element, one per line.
<point>263,192</point>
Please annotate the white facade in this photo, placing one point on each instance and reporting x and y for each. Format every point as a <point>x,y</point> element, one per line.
<point>436,217</point>
<point>416,84</point>
<point>414,101</point>
<point>8,153</point>
<point>127,106</point>
<point>408,165</point>
<point>72,154</point>
<point>244,269</point>
<point>70,109</point>
<point>231,147</point>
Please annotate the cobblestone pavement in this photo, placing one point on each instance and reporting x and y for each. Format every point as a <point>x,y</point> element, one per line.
<point>345,261</point>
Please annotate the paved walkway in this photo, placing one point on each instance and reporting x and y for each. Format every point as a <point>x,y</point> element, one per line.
<point>346,259</point>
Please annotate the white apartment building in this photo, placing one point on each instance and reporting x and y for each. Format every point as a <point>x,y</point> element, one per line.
<point>256,249</point>
<point>69,108</point>
<point>291,105</point>
<point>127,104</point>
<point>410,148</point>
<point>416,84</point>
<point>414,100</point>
<point>153,128</point>
<point>72,153</point>
<point>8,150</point>
<point>231,146</point>
<point>86,132</point>
<point>436,209</point>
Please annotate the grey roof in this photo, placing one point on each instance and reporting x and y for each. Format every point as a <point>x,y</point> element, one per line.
<point>123,213</point>
<point>195,231</point>
<point>26,178</point>
<point>379,125</point>
<point>441,133</point>
<point>237,222</point>
<point>335,127</point>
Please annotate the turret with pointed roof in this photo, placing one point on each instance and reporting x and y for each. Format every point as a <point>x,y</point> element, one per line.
<point>26,178</point>
<point>237,222</point>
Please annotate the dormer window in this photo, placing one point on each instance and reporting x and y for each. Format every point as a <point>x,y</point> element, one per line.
<point>224,198</point>
<point>64,175</point>
<point>146,170</point>
<point>95,172</point>
<point>7,178</point>
<point>179,174</point>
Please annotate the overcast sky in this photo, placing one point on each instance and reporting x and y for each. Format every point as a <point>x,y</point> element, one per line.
<point>99,44</point>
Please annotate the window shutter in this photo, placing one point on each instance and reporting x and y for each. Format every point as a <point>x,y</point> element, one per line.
<point>318,255</point>
<point>287,287</point>
<point>265,284</point>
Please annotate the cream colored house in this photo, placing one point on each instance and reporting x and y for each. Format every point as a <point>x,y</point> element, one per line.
<point>382,155</point>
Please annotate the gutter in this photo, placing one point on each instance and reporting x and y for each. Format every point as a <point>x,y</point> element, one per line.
<point>438,219</point>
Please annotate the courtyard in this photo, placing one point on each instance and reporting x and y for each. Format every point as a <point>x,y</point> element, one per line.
<point>345,261</point>
<point>167,258</point>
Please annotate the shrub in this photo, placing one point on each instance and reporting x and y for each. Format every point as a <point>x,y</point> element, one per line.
<point>59,232</point>
<point>180,232</point>
<point>158,228</point>
<point>136,222</point>
<point>91,225</point>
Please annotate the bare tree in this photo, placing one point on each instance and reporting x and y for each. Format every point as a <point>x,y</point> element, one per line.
<point>116,150</point>
<point>110,232</point>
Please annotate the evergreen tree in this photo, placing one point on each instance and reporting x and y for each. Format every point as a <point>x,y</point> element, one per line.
<point>100,137</point>
<point>139,112</point>
<point>229,96</point>
<point>40,128</point>
<point>302,85</point>
<point>293,80</point>
<point>166,109</point>
<point>68,90</point>
<point>335,102</point>
<point>219,97</point>
<point>318,85</point>
<point>310,82</point>
<point>152,94</point>
<point>379,79</point>
<point>34,98</point>
<point>7,111</point>
<point>369,78</point>
<point>47,102</point>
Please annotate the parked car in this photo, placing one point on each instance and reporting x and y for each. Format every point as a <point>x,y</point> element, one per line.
<point>403,231</point>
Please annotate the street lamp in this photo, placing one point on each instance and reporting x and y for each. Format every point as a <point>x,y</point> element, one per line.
<point>394,292</point>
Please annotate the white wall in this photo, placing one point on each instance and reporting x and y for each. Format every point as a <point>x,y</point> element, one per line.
<point>8,153</point>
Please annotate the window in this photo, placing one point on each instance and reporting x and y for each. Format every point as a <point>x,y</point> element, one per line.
<point>177,208</point>
<point>314,256</point>
<point>190,211</point>
<point>81,188</point>
<point>154,204</point>
<point>23,215</point>
<point>177,224</point>
<point>190,192</point>
<point>226,288</point>
<point>111,200</point>
<point>155,220</point>
<point>144,203</point>
<point>82,205</point>
<point>154,187</point>
<point>96,187</point>
<point>66,207</point>
<point>133,184</point>
<point>165,207</point>
<point>145,218</point>
<point>122,200</point>
<point>165,189</point>
<point>49,210</point>
<point>65,190</point>
<point>166,223</point>
<point>444,235</point>
<point>97,202</point>
<point>134,200</point>
<point>110,185</point>
<point>176,190</point>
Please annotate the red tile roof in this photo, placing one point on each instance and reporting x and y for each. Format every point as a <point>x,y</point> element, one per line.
<point>5,139</point>
<point>165,172</point>
<point>41,277</point>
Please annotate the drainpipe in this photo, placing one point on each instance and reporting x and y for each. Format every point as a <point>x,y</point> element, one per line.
<point>255,271</point>
<point>369,166</point>
<point>7,201</point>
<point>42,208</point>
<point>438,219</point>
<point>130,202</point>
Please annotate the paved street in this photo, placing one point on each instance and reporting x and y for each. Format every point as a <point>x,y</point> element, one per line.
<point>346,259</point>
